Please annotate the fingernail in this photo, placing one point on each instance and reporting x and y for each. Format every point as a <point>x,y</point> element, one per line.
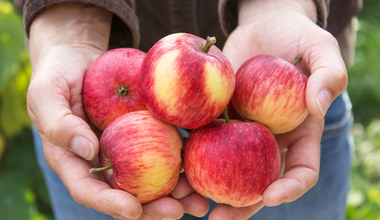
<point>324,100</point>
<point>82,147</point>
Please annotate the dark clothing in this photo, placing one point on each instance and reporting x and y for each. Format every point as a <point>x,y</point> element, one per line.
<point>147,21</point>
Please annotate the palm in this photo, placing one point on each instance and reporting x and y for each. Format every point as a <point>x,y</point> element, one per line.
<point>286,36</point>
<point>60,75</point>
<point>286,39</point>
<point>54,96</point>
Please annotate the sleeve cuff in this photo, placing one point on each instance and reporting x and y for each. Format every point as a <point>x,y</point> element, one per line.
<point>323,7</point>
<point>124,30</point>
<point>228,12</point>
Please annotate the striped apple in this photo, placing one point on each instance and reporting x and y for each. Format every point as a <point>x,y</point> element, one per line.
<point>272,91</point>
<point>110,86</point>
<point>186,80</point>
<point>140,154</point>
<point>232,163</point>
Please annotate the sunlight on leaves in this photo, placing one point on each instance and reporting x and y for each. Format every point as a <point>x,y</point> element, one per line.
<point>6,8</point>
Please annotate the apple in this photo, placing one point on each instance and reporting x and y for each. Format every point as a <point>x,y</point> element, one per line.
<point>140,154</point>
<point>232,114</point>
<point>186,80</point>
<point>272,91</point>
<point>232,163</point>
<point>110,86</point>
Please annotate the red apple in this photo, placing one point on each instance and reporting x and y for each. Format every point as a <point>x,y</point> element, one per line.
<point>141,154</point>
<point>186,81</point>
<point>110,86</point>
<point>232,163</point>
<point>271,90</point>
<point>232,114</point>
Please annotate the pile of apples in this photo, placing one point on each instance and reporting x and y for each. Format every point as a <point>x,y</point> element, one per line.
<point>138,100</point>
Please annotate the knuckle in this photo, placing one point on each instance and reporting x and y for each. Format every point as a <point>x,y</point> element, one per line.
<point>313,181</point>
<point>341,79</point>
<point>77,198</point>
<point>50,130</point>
<point>328,38</point>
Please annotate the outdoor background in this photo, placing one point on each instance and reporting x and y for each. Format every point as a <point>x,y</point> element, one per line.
<point>23,193</point>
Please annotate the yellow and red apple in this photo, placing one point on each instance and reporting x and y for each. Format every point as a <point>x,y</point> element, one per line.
<point>186,81</point>
<point>272,91</point>
<point>140,154</point>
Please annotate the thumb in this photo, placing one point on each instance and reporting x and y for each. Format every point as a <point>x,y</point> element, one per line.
<point>328,77</point>
<point>48,103</point>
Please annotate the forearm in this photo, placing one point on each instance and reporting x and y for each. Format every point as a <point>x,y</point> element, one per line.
<point>249,10</point>
<point>75,24</point>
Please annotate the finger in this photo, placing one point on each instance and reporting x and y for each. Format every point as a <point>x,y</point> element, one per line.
<point>49,108</point>
<point>328,75</point>
<point>230,213</point>
<point>183,188</point>
<point>88,189</point>
<point>165,207</point>
<point>301,163</point>
<point>195,205</point>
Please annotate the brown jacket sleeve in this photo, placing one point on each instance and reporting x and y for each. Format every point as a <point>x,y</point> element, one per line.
<point>124,30</point>
<point>341,15</point>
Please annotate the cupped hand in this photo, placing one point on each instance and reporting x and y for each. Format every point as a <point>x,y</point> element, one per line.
<point>91,191</point>
<point>64,40</point>
<point>287,29</point>
<point>300,154</point>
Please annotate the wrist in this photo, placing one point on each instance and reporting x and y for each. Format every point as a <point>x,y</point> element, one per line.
<point>78,25</point>
<point>249,10</point>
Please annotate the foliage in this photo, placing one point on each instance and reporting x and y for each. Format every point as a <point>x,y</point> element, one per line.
<point>14,72</point>
<point>363,87</point>
<point>23,194</point>
<point>364,75</point>
<point>364,197</point>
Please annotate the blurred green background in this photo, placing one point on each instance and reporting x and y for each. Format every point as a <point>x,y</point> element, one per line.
<point>23,194</point>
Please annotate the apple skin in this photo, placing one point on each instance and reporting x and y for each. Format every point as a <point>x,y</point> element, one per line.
<point>272,91</point>
<point>145,154</point>
<point>110,86</point>
<point>232,163</point>
<point>181,84</point>
<point>232,114</point>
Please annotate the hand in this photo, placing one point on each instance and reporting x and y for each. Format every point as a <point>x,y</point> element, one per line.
<point>287,29</point>
<point>91,190</point>
<point>64,41</point>
<point>300,154</point>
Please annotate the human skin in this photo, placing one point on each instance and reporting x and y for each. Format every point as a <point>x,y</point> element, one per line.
<point>56,51</point>
<point>64,40</point>
<point>287,29</point>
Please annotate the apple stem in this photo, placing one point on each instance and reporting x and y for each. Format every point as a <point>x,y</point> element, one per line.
<point>100,169</point>
<point>297,60</point>
<point>209,42</point>
<point>225,114</point>
<point>122,91</point>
